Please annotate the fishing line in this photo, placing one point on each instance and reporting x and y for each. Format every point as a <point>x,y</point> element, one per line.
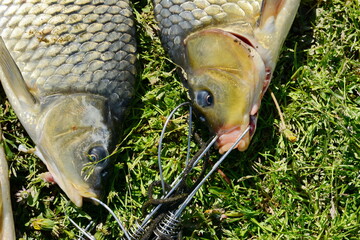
<point>189,136</point>
<point>177,182</point>
<point>111,212</point>
<point>114,215</point>
<point>168,227</point>
<point>161,140</point>
<point>216,165</point>
<point>83,231</point>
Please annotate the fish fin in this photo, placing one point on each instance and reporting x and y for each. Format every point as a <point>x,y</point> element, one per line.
<point>276,18</point>
<point>13,82</point>
<point>269,11</point>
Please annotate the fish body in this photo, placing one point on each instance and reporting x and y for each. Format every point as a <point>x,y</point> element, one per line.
<point>228,51</point>
<point>68,69</point>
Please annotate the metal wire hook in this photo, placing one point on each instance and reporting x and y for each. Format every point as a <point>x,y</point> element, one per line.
<point>216,165</point>
<point>162,137</point>
<point>114,215</point>
<point>177,181</point>
<point>126,234</point>
<point>169,225</point>
<point>83,231</point>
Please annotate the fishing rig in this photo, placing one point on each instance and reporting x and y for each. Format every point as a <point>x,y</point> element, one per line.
<point>163,221</point>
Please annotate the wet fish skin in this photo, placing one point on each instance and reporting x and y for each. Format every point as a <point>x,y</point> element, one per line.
<point>228,51</point>
<point>70,83</point>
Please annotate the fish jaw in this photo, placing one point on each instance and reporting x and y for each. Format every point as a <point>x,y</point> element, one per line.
<point>227,137</point>
<point>234,75</point>
<point>73,139</point>
<point>75,190</point>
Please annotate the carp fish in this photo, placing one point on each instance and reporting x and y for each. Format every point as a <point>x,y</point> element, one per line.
<point>227,50</point>
<point>67,68</point>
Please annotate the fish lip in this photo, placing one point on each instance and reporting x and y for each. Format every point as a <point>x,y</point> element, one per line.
<point>228,136</point>
<point>252,124</point>
<point>75,192</point>
<point>78,192</point>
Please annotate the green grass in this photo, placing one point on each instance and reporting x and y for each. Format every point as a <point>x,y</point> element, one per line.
<point>308,189</point>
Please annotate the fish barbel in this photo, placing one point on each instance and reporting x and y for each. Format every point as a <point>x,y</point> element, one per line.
<point>228,51</point>
<point>67,68</point>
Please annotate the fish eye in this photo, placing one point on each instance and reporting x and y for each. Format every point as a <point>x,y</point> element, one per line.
<point>204,98</point>
<point>97,153</point>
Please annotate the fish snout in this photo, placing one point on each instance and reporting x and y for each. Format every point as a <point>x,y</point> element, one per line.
<point>227,139</point>
<point>228,136</point>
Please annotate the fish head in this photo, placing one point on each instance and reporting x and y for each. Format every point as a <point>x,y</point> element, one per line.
<point>75,136</point>
<point>73,132</point>
<point>226,81</point>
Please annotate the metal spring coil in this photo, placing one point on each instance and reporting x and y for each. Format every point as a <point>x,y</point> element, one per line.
<point>169,227</point>
<point>136,232</point>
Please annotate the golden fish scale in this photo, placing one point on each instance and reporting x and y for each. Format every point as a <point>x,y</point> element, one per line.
<point>72,46</point>
<point>178,18</point>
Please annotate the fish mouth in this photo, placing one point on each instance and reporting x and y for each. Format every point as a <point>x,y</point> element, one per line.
<point>228,136</point>
<point>76,192</point>
<point>79,190</point>
<point>73,186</point>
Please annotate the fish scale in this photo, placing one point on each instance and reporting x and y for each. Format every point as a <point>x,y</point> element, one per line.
<point>64,41</point>
<point>68,70</point>
<point>178,18</point>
